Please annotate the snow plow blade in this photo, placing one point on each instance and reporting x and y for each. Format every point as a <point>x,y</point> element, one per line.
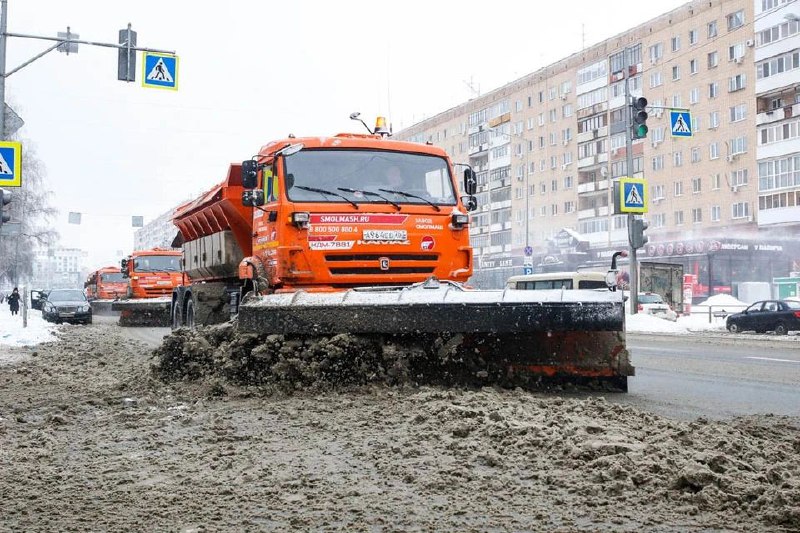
<point>153,312</point>
<point>520,335</point>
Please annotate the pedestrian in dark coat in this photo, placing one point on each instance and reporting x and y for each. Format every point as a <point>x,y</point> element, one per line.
<point>13,301</point>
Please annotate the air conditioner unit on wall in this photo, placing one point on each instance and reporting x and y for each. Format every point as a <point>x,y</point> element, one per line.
<point>731,158</point>
<point>734,188</point>
<point>750,43</point>
<point>738,60</point>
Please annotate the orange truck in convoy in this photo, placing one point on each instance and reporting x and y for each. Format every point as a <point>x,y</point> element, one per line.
<point>103,287</point>
<point>365,235</point>
<point>151,276</point>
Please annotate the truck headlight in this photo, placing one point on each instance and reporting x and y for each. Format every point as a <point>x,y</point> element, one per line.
<point>459,220</point>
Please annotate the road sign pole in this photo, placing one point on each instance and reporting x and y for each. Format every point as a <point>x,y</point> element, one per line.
<point>3,28</point>
<point>633,265</point>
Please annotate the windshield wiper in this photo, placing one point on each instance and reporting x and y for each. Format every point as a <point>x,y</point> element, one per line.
<point>331,193</point>
<point>370,193</point>
<point>409,195</point>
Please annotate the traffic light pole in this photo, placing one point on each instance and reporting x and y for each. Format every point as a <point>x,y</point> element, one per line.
<point>634,264</point>
<point>127,47</point>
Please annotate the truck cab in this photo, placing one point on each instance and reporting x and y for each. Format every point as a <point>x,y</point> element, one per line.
<point>107,283</point>
<point>152,273</point>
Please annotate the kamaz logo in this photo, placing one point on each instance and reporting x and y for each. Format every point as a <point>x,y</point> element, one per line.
<point>384,262</point>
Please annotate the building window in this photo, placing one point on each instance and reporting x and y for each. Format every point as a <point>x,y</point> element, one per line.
<point>738,112</point>
<point>715,181</point>
<point>693,66</point>
<point>656,52</point>
<point>735,20</point>
<point>553,161</point>
<point>678,188</point>
<point>713,120</point>
<point>715,211</point>
<point>659,220</point>
<point>655,79</point>
<point>676,44</point>
<point>736,52</point>
<point>554,209</point>
<point>739,177</point>
<point>736,83</point>
<point>712,29</point>
<point>657,135</point>
<point>678,218</point>
<point>695,154</point>
<point>694,96</point>
<point>658,162</point>
<point>697,215</point>
<point>569,207</point>
<point>566,110</point>
<point>692,37</point>
<point>740,210</point>
<point>738,145</point>
<point>696,185</point>
<point>676,73</point>
<point>657,191</point>
<point>713,60</point>
<point>776,33</point>
<point>778,133</point>
<point>778,65</point>
<point>713,90</point>
<point>568,182</point>
<point>677,159</point>
<point>713,150</point>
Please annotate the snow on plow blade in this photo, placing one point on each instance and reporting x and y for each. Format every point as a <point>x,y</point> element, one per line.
<point>572,335</point>
<point>150,312</point>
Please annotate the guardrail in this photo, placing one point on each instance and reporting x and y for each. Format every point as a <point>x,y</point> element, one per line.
<point>717,311</point>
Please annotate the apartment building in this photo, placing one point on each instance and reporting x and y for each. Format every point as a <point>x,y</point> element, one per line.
<point>158,233</point>
<point>777,58</point>
<point>548,147</point>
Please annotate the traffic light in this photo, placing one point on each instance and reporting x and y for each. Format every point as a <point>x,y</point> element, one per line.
<point>637,237</point>
<point>638,117</point>
<point>5,199</point>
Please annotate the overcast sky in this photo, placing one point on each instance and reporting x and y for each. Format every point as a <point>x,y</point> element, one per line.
<point>251,71</point>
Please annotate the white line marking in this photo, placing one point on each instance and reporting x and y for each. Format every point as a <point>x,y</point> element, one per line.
<point>771,359</point>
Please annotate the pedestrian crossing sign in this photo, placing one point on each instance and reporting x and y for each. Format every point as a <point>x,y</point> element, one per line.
<point>160,71</point>
<point>680,123</point>
<point>633,195</point>
<point>10,164</point>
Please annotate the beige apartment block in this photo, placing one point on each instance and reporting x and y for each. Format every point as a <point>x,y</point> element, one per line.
<point>549,146</point>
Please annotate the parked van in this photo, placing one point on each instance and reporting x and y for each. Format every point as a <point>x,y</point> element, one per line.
<point>559,280</point>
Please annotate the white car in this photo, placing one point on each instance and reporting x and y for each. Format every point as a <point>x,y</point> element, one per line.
<point>652,304</point>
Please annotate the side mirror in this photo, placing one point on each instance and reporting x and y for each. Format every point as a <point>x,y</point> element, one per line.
<point>249,174</point>
<point>253,198</point>
<point>470,181</point>
<point>470,202</point>
<point>123,265</point>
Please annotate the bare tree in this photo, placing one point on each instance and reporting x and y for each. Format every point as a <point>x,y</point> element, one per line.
<point>31,207</point>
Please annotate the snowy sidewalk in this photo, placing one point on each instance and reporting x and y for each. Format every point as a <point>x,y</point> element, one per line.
<point>13,334</point>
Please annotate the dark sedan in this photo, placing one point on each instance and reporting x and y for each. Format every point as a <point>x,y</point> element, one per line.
<point>67,305</point>
<point>780,316</point>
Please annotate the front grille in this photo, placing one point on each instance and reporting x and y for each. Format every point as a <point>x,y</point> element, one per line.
<point>158,291</point>
<point>377,270</point>
<point>369,264</point>
<point>376,257</point>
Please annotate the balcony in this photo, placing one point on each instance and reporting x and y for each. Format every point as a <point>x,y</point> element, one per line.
<point>775,115</point>
<point>780,215</point>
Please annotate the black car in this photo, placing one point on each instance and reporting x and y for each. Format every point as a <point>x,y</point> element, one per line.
<point>67,305</point>
<point>780,316</point>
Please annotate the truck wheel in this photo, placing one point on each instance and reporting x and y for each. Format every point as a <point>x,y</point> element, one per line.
<point>189,321</point>
<point>780,329</point>
<point>177,315</point>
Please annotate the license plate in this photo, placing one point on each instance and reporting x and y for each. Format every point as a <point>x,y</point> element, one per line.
<point>385,235</point>
<point>163,283</point>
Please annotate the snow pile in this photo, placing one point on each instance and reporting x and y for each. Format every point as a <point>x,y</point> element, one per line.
<point>722,300</point>
<point>13,334</point>
<point>644,323</point>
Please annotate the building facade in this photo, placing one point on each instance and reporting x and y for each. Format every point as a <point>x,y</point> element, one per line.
<point>549,146</point>
<point>59,268</point>
<point>158,233</point>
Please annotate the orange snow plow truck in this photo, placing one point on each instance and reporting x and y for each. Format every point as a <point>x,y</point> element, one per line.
<point>151,276</point>
<point>363,235</point>
<point>103,287</point>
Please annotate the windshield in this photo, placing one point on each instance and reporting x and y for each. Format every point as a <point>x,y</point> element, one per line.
<point>333,174</point>
<point>113,277</point>
<point>650,299</point>
<point>157,263</point>
<point>65,296</point>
